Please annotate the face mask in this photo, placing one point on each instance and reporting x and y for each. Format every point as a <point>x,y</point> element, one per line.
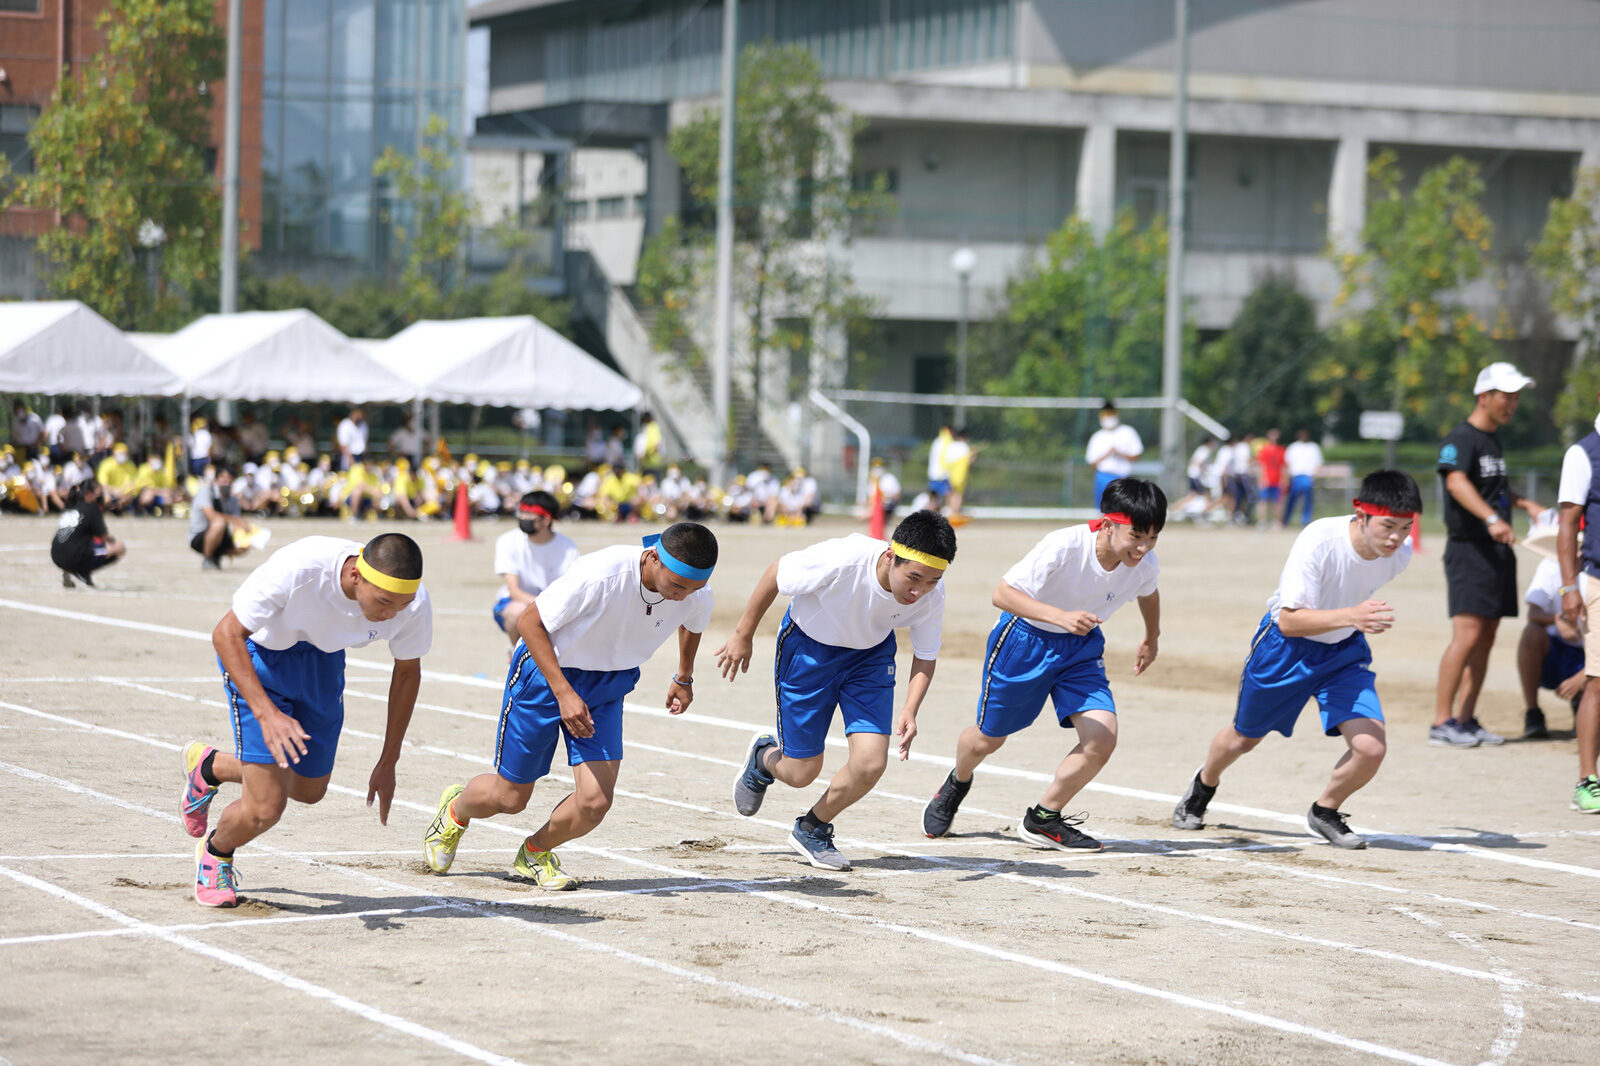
<point>1109,422</point>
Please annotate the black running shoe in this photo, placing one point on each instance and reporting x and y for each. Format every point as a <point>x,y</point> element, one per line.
<point>1332,827</point>
<point>1190,813</point>
<point>86,579</point>
<point>1533,725</point>
<point>941,810</point>
<point>1060,832</point>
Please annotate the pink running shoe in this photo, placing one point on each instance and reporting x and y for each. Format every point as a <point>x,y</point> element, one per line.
<point>196,793</point>
<point>214,884</point>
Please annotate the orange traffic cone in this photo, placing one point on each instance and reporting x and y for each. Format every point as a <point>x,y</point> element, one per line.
<point>1416,535</point>
<point>875,514</point>
<point>463,514</point>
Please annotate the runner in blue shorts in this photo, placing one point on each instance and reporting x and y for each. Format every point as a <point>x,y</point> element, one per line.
<point>281,651</point>
<point>583,640</point>
<point>1312,644</point>
<point>1048,645</point>
<point>836,650</point>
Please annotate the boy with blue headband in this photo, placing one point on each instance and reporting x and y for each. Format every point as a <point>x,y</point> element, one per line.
<point>281,650</point>
<point>836,649</point>
<point>583,640</point>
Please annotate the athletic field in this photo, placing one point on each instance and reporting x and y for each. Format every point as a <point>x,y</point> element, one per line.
<point>1465,934</point>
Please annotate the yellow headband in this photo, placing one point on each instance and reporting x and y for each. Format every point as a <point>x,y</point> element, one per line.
<point>384,581</point>
<point>918,557</point>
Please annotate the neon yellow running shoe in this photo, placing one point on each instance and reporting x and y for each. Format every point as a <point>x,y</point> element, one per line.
<point>543,869</point>
<point>439,842</point>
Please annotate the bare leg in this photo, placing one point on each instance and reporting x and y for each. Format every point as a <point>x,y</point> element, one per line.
<point>971,749</point>
<point>258,808</point>
<point>511,612</point>
<point>581,811</point>
<point>1477,670</point>
<point>1587,727</point>
<point>1531,650</point>
<point>1363,756</point>
<point>1466,630</point>
<point>796,773</point>
<point>869,756</point>
<point>1226,748</point>
<point>490,794</point>
<point>1097,739</point>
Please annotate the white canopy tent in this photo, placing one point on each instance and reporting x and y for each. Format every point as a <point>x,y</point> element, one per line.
<point>505,362</point>
<point>286,356</point>
<point>64,348</point>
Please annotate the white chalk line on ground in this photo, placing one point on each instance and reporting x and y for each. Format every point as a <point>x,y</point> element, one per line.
<point>1001,954</point>
<point>265,972</point>
<point>1000,870</point>
<point>486,908</point>
<point>1511,1008</point>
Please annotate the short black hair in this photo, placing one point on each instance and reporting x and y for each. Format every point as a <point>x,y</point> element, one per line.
<point>1141,501</point>
<point>691,544</point>
<point>926,531</point>
<point>87,487</point>
<point>541,498</point>
<point>218,469</point>
<point>394,554</point>
<point>1394,489</point>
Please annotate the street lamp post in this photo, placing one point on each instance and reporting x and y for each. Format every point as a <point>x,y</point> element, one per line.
<point>962,261</point>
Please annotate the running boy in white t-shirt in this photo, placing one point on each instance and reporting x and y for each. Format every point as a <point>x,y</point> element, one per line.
<point>281,649</point>
<point>583,641</point>
<point>836,649</point>
<point>1048,643</point>
<point>529,558</point>
<point>1312,644</point>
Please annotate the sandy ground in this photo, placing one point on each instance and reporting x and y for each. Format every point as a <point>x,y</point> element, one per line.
<point>1465,934</point>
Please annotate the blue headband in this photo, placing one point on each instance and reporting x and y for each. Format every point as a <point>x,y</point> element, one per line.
<point>677,566</point>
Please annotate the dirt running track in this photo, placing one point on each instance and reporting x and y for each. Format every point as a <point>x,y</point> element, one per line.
<point>1466,934</point>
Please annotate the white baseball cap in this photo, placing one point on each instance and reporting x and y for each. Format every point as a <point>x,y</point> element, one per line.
<point>1501,377</point>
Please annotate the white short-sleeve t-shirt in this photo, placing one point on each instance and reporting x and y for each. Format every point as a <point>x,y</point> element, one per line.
<point>1576,473</point>
<point>536,565</point>
<point>1544,592</point>
<point>836,599</point>
<point>1324,573</point>
<point>595,612</point>
<point>295,596</point>
<point>1121,437</point>
<point>1062,571</point>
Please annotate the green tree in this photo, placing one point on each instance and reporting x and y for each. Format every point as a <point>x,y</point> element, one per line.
<point>1407,345</point>
<point>792,196</point>
<point>431,215</point>
<point>120,147</point>
<point>1567,256</point>
<point>1256,375</point>
<point>1084,317</point>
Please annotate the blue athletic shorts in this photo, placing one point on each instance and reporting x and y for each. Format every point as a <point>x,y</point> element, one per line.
<point>1271,493</point>
<point>1024,664</point>
<point>941,487</point>
<point>530,718</point>
<point>812,678</point>
<point>500,612</point>
<point>1282,673</point>
<point>1560,662</point>
<point>307,684</point>
<point>1101,480</point>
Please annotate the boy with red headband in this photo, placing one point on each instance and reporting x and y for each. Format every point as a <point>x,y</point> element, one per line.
<point>281,650</point>
<point>1312,644</point>
<point>836,650</point>
<point>529,558</point>
<point>583,641</point>
<point>1048,643</point>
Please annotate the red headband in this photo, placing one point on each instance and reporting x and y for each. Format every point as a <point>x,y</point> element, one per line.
<point>1116,517</point>
<point>1381,512</point>
<point>531,510</point>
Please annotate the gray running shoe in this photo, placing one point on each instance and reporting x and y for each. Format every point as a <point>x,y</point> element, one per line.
<point>1452,735</point>
<point>1485,738</point>
<point>750,787</point>
<point>1331,826</point>
<point>1190,813</point>
<point>816,846</point>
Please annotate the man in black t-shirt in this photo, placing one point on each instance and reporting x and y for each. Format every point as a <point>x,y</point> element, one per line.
<point>1479,566</point>
<point>82,544</point>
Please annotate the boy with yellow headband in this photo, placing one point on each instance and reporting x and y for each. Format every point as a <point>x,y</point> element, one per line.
<point>1048,643</point>
<point>281,650</point>
<point>836,649</point>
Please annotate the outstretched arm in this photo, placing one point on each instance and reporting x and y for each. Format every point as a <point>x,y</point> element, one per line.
<point>733,657</point>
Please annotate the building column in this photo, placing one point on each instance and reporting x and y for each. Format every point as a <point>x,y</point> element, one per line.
<point>1588,159</point>
<point>1097,177</point>
<point>663,181</point>
<point>1347,194</point>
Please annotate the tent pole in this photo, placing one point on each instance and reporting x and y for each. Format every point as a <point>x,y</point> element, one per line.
<point>416,424</point>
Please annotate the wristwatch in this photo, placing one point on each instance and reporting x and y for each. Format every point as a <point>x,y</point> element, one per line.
<point>1494,516</point>
<point>1564,589</point>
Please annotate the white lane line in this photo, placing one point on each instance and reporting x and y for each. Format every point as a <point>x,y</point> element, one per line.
<point>487,909</point>
<point>267,973</point>
<point>997,869</point>
<point>1514,1015</point>
<point>25,548</point>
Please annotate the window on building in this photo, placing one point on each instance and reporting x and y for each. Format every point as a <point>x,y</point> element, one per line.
<point>577,210</point>
<point>611,207</point>
<point>26,7</point>
<point>641,205</point>
<point>14,125</point>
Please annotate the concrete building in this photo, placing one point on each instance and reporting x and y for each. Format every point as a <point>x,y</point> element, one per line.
<point>992,120</point>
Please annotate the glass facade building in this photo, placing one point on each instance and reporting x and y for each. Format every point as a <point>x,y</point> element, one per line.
<point>342,81</point>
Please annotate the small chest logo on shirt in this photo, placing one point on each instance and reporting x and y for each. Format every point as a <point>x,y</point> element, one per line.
<point>1110,596</point>
<point>891,669</point>
<point>658,623</point>
<point>372,634</point>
